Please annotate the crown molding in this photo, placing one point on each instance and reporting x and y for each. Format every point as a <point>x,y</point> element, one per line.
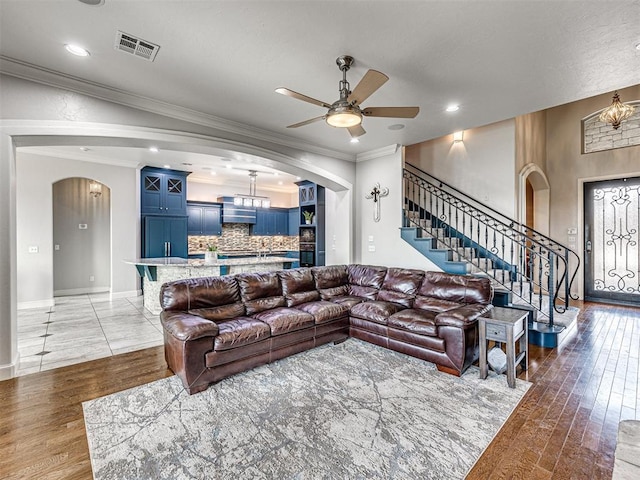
<point>80,157</point>
<point>377,153</point>
<point>27,71</point>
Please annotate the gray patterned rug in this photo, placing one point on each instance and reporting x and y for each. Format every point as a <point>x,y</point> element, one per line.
<point>351,411</point>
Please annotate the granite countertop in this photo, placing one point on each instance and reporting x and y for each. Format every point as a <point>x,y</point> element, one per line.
<point>244,252</point>
<point>197,262</point>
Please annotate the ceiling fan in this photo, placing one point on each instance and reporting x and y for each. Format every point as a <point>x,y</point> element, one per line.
<point>346,112</point>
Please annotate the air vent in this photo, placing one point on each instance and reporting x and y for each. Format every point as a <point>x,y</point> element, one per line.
<point>136,46</point>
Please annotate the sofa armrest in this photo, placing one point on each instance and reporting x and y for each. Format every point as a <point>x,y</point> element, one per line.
<point>464,316</point>
<point>185,326</point>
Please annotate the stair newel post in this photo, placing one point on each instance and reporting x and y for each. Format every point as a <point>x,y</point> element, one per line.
<point>551,287</point>
<point>567,293</point>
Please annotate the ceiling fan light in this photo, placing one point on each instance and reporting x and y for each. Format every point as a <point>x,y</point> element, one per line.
<point>344,117</point>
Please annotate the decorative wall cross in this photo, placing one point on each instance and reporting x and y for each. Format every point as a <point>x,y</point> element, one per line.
<point>377,193</point>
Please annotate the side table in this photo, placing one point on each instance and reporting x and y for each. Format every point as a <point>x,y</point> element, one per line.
<point>506,325</point>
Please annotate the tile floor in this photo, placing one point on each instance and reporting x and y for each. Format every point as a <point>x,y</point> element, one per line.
<point>82,328</point>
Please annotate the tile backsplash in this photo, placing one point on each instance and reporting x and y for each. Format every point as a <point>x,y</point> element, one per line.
<point>236,236</point>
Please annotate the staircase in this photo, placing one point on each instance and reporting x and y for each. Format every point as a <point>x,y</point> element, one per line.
<point>528,270</point>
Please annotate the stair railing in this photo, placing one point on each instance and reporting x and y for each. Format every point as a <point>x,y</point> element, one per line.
<point>528,263</point>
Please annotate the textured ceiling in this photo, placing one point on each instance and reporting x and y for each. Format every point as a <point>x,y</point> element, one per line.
<point>497,59</point>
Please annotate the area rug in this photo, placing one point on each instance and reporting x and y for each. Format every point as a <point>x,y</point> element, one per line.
<point>348,411</point>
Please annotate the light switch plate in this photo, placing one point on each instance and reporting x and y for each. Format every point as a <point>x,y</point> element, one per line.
<point>370,238</point>
<point>572,231</point>
<point>372,248</point>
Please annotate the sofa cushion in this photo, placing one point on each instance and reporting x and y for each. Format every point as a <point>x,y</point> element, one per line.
<point>331,293</point>
<point>400,286</point>
<point>282,320</point>
<point>375,311</point>
<point>222,312</point>
<point>434,304</point>
<point>421,322</point>
<point>240,331</point>
<point>298,286</point>
<point>196,293</point>
<point>456,288</point>
<point>368,293</point>
<point>324,311</point>
<point>260,291</point>
<point>348,301</point>
<point>330,276</point>
<point>366,276</point>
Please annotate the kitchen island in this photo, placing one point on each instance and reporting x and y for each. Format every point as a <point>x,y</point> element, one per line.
<point>157,271</point>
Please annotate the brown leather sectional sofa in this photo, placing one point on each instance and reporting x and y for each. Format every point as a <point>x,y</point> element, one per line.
<point>217,326</point>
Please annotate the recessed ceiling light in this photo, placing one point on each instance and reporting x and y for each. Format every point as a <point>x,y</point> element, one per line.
<point>452,108</point>
<point>280,182</point>
<point>229,167</point>
<point>638,46</point>
<point>212,172</point>
<point>154,149</point>
<point>167,166</point>
<point>76,50</point>
<point>355,140</point>
<point>396,126</point>
<point>187,163</point>
<point>94,3</point>
<point>298,178</point>
<point>84,149</point>
<point>275,174</point>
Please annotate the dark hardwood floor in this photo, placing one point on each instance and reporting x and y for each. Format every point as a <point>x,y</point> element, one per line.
<point>565,427</point>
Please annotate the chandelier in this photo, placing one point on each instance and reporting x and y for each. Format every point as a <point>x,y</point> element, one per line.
<point>617,112</point>
<point>251,200</point>
<point>95,189</point>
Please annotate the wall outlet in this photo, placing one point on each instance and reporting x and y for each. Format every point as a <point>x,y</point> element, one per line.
<point>82,226</point>
<point>33,249</point>
<point>372,248</point>
<point>572,231</point>
<point>92,278</point>
<point>371,238</point>
<point>56,247</point>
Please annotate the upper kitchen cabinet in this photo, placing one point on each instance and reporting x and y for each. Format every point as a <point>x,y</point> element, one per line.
<point>204,218</point>
<point>163,192</point>
<point>307,193</point>
<point>271,221</point>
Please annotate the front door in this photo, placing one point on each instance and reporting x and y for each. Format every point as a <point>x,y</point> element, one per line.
<point>612,241</point>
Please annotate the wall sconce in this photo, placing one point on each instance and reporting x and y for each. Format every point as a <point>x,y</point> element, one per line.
<point>457,136</point>
<point>95,189</point>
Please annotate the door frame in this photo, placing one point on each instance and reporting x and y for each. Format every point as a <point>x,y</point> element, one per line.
<point>586,214</point>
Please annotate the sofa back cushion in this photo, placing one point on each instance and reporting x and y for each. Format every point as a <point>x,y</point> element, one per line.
<point>260,291</point>
<point>331,281</point>
<point>365,280</point>
<point>298,286</point>
<point>221,293</point>
<point>400,286</point>
<point>461,289</point>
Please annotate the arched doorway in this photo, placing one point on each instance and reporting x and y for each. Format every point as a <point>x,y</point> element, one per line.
<point>81,237</point>
<point>534,198</point>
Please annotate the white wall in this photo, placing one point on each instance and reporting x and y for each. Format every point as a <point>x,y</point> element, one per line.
<point>209,192</point>
<point>390,250</point>
<point>338,232</point>
<point>35,177</point>
<point>483,166</point>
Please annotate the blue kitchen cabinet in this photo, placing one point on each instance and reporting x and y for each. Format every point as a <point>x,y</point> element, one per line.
<point>164,237</point>
<point>294,221</point>
<point>204,219</point>
<point>271,221</point>
<point>163,191</point>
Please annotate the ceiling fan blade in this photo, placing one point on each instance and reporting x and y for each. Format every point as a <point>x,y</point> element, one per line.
<point>397,112</point>
<point>306,122</point>
<point>371,82</point>
<point>356,131</point>
<point>299,96</point>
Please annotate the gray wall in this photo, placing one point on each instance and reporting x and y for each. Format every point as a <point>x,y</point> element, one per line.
<point>82,264</point>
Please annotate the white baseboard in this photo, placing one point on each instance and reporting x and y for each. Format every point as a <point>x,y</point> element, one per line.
<point>79,291</point>
<point>10,370</point>
<point>49,302</point>
<point>129,294</point>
